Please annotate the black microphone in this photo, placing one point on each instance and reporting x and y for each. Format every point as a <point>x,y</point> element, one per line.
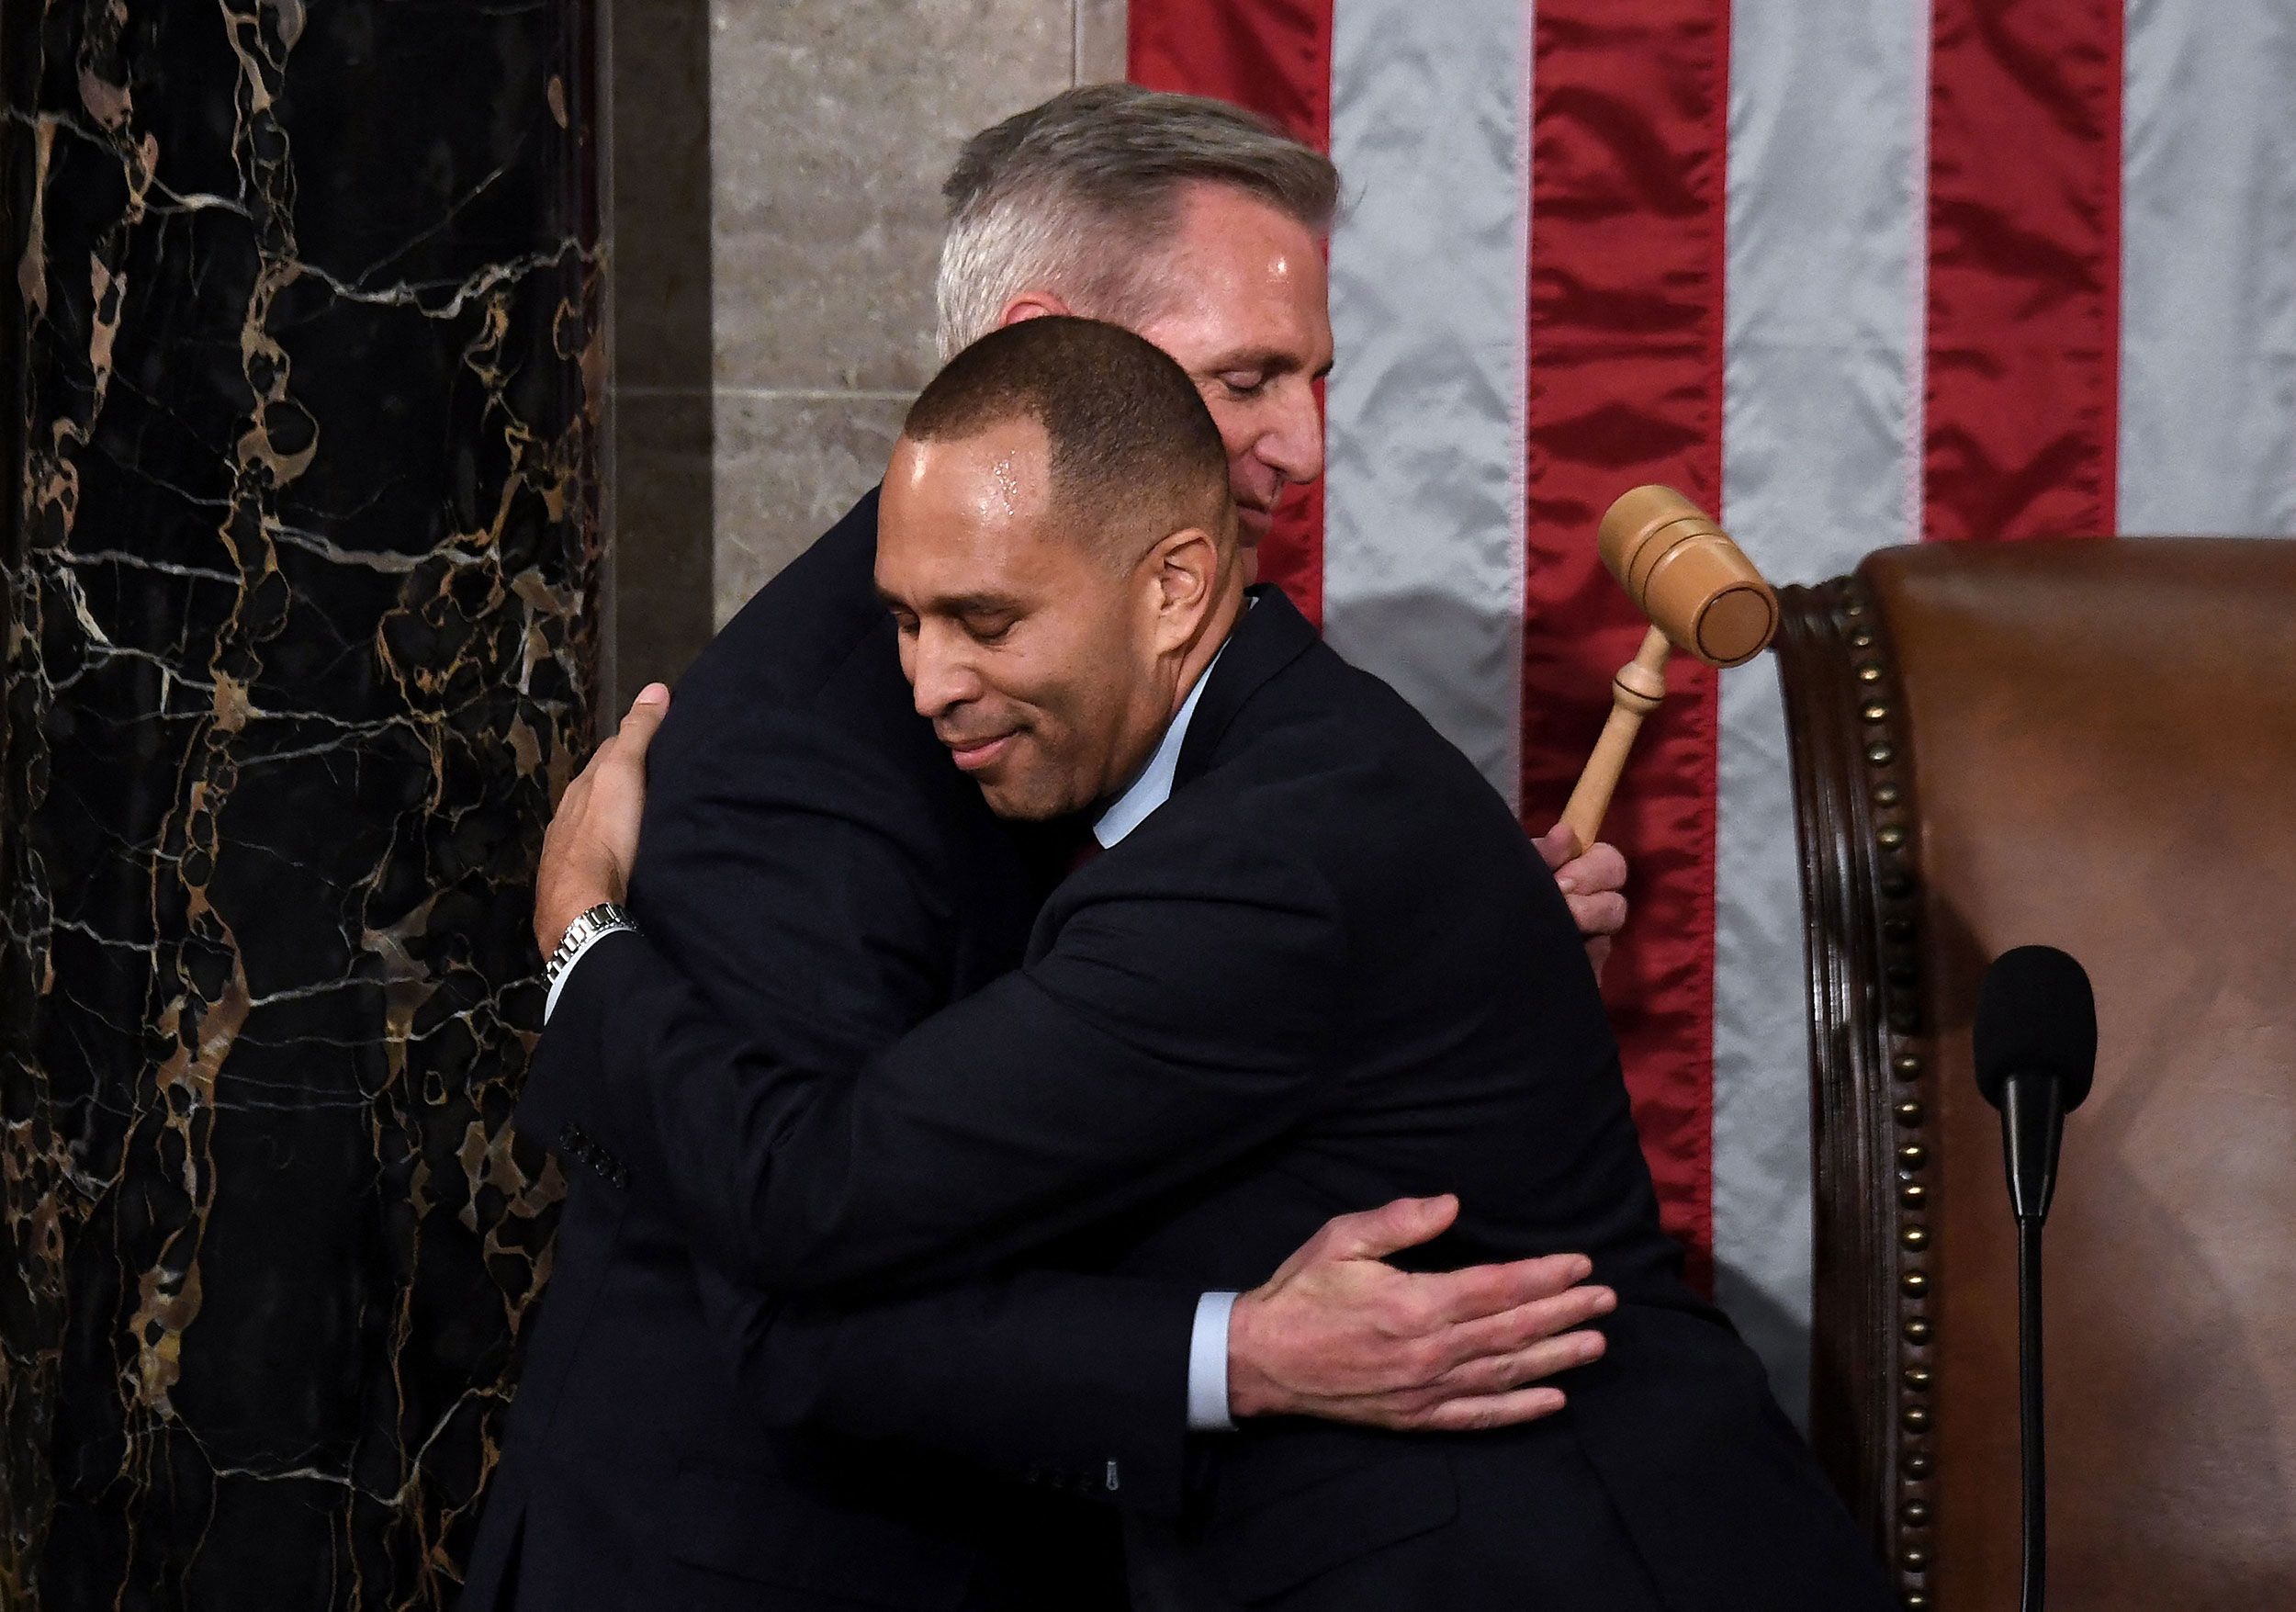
<point>2036,1053</point>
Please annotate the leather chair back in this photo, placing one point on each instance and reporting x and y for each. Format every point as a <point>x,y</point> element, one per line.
<point>2090,745</point>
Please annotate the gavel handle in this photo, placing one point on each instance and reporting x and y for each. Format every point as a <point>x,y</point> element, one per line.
<point>1634,694</point>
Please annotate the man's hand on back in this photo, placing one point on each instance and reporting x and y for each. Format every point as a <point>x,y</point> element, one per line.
<point>1593,883</point>
<point>1337,1332</point>
<point>593,838</point>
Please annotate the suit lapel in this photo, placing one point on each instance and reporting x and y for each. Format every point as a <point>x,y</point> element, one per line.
<point>1269,637</point>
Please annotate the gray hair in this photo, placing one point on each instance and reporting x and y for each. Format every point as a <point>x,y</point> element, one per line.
<point>1075,196</point>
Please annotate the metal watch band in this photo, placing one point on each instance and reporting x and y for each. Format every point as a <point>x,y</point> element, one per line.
<point>606,917</point>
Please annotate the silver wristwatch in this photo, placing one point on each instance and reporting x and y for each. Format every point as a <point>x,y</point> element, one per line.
<point>601,919</point>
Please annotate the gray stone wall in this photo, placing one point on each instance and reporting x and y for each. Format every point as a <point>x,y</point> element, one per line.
<point>776,169</point>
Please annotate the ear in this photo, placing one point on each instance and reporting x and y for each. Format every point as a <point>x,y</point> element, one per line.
<point>1031,305</point>
<point>1184,571</point>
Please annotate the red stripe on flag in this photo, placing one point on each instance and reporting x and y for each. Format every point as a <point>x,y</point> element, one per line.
<point>1274,57</point>
<point>1630,119</point>
<point>2024,274</point>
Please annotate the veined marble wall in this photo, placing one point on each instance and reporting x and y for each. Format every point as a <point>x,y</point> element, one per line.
<point>777,213</point>
<point>300,557</point>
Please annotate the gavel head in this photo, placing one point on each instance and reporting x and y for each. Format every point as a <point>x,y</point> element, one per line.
<point>1686,575</point>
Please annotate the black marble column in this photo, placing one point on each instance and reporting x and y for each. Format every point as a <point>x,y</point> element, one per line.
<point>300,566</point>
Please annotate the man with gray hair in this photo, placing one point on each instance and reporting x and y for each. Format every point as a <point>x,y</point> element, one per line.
<point>816,866</point>
<point>1185,219</point>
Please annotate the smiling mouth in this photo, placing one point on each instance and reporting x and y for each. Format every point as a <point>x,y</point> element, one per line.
<point>970,756</point>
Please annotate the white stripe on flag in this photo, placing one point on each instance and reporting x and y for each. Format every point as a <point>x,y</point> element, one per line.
<point>1423,545</point>
<point>2208,279</point>
<point>1821,399</point>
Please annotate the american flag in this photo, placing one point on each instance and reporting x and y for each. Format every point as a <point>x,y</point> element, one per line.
<point>1849,273</point>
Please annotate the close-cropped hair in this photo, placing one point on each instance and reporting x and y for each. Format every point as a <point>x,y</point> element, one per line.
<point>1076,197</point>
<point>1133,452</point>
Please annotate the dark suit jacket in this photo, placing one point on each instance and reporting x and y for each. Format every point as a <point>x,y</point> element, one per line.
<point>812,863</point>
<point>1329,970</point>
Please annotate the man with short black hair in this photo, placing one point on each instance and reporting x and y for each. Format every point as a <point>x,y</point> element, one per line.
<point>1312,965</point>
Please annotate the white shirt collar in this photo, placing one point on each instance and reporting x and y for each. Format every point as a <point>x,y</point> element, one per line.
<point>1154,786</point>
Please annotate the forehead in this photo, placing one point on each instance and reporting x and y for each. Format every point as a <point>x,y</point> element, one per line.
<point>967,514</point>
<point>1243,274</point>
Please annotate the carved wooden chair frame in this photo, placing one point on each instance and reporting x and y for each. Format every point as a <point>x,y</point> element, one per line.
<point>1871,1380</point>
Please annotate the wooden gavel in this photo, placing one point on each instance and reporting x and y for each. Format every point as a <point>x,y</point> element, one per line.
<point>1701,593</point>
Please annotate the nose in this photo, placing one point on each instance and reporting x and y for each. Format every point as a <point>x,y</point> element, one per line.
<point>1293,444</point>
<point>941,676</point>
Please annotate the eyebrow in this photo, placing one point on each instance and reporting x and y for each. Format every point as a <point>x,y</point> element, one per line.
<point>955,604</point>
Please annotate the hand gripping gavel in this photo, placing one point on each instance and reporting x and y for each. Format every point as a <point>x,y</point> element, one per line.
<point>1699,592</point>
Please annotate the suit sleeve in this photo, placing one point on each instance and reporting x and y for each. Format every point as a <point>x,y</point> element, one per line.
<point>807,917</point>
<point>1176,1022</point>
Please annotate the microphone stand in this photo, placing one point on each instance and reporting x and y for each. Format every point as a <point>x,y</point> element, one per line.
<point>2032,1111</point>
<point>2033,1485</point>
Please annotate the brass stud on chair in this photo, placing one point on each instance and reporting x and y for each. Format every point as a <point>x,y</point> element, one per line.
<point>1892,852</point>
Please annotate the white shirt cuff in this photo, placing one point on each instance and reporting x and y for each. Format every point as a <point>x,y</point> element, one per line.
<point>550,1002</point>
<point>1207,1366</point>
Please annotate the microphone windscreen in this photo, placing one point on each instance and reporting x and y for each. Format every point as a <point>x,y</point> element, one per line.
<point>2036,1016</point>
